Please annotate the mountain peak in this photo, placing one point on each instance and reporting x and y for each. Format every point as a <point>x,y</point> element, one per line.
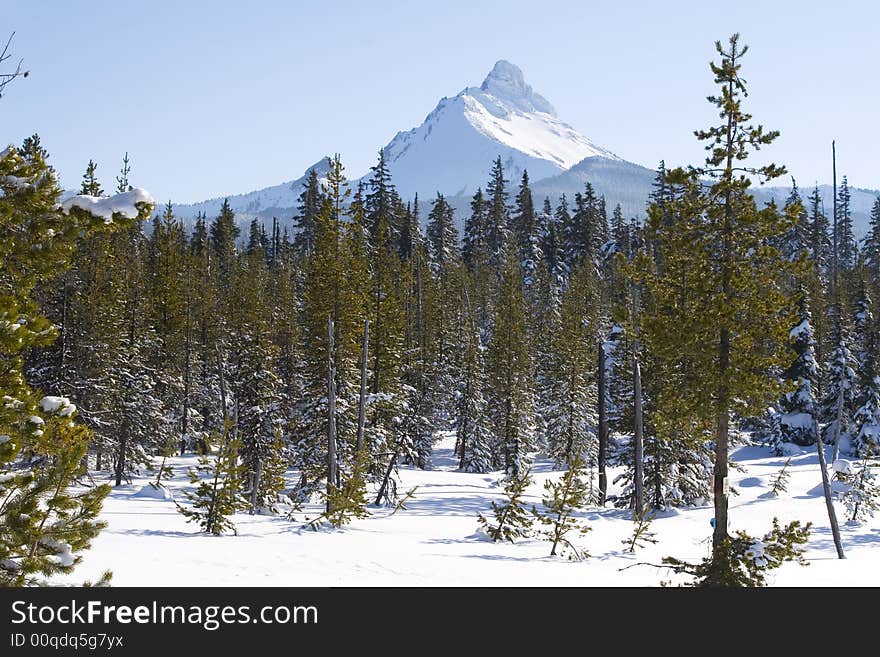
<point>507,83</point>
<point>507,75</point>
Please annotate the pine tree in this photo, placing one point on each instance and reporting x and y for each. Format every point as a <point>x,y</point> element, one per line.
<point>379,205</point>
<point>473,431</point>
<point>310,201</point>
<point>122,184</point>
<point>796,240</point>
<point>224,233</point>
<point>90,184</point>
<point>512,519</point>
<point>721,241</point>
<point>871,249</point>
<point>349,499</point>
<point>474,242</point>
<point>46,523</point>
<point>846,243</point>
<point>780,481</point>
<point>336,285</point>
<point>569,411</point>
<point>497,215</point>
<point>509,374</point>
<point>442,236</point>
<point>217,495</point>
<point>525,226</point>
<point>820,241</point>
<point>562,500</point>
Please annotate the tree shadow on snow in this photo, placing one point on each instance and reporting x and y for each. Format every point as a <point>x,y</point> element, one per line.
<point>848,538</point>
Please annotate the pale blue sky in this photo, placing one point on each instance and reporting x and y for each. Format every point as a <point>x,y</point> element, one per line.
<point>220,97</point>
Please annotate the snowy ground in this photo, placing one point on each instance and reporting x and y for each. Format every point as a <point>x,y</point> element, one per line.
<point>434,542</point>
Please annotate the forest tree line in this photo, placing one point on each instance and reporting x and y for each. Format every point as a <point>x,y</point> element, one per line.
<point>339,349</point>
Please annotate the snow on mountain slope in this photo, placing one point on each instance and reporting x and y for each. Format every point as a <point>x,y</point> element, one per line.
<point>453,150</point>
<point>278,199</point>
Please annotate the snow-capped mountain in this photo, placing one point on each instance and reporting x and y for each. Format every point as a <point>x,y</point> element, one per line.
<point>453,150</point>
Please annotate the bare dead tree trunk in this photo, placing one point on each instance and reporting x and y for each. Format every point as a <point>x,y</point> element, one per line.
<point>639,434</point>
<point>832,516</point>
<point>639,442</point>
<point>362,400</point>
<point>386,479</point>
<point>603,427</point>
<point>187,382</point>
<point>332,465</point>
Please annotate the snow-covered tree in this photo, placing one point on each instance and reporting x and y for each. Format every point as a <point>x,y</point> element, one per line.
<point>840,389</point>
<point>798,407</point>
<point>866,421</point>
<point>570,409</point>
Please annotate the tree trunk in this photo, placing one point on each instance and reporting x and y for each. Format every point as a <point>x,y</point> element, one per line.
<point>639,441</point>
<point>255,486</point>
<point>603,427</point>
<point>383,487</point>
<point>187,378</point>
<point>120,460</point>
<point>332,465</point>
<point>222,389</point>
<point>720,486</point>
<point>362,400</point>
<point>837,424</point>
<point>826,486</point>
